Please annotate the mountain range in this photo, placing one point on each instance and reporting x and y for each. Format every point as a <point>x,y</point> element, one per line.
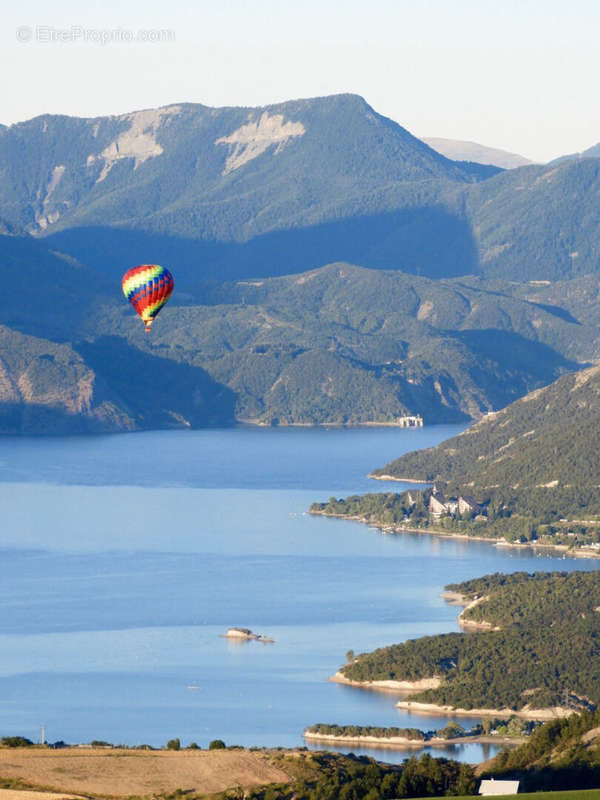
<point>451,288</point>
<point>234,193</point>
<point>227,193</point>
<point>339,345</point>
<point>459,150</point>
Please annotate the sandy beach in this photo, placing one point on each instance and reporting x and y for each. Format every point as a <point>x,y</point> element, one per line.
<point>541,714</point>
<point>398,687</point>
<point>411,687</point>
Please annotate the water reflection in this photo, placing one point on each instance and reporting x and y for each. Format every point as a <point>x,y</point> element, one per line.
<point>472,753</point>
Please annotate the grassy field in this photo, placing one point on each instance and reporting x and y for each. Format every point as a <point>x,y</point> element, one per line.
<point>122,773</point>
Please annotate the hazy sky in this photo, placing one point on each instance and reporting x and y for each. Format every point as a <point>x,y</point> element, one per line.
<point>518,74</point>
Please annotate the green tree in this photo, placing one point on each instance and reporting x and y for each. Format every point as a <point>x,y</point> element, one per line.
<point>174,744</point>
<point>217,744</point>
<point>15,741</point>
<point>451,731</point>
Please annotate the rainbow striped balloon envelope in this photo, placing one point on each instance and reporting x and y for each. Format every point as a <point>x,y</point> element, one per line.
<point>147,287</point>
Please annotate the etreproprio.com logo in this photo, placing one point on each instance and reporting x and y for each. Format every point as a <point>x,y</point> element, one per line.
<point>78,34</point>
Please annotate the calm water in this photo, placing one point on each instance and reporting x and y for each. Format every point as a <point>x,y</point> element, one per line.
<point>126,557</point>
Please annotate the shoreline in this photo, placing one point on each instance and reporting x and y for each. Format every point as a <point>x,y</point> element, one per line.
<point>392,687</point>
<point>408,688</point>
<point>465,537</point>
<point>473,624</point>
<point>540,714</point>
<point>455,598</point>
<point>256,423</point>
<point>401,742</point>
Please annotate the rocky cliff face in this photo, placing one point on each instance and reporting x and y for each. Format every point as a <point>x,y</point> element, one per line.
<point>48,388</point>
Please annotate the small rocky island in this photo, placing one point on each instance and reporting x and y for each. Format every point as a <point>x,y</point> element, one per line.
<point>247,634</point>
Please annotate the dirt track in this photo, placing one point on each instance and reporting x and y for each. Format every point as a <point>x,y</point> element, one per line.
<point>126,772</point>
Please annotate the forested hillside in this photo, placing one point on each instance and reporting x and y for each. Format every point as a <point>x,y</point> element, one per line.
<point>538,455</point>
<point>545,652</point>
<point>529,471</point>
<point>341,344</point>
<point>563,754</point>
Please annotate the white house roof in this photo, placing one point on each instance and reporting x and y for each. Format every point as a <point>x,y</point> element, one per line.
<point>498,787</point>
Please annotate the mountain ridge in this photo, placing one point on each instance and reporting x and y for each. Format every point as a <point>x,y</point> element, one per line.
<point>294,176</point>
<point>227,191</point>
<point>461,150</point>
<point>337,345</point>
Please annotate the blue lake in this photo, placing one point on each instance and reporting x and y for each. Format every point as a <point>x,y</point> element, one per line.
<point>126,557</point>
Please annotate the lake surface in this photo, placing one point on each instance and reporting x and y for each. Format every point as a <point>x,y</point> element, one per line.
<point>125,558</point>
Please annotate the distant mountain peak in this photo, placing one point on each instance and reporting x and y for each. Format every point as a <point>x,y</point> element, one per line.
<point>459,150</point>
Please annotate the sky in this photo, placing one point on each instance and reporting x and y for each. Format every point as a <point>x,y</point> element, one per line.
<point>520,75</point>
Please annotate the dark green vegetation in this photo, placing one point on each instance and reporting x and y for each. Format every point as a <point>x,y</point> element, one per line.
<point>328,776</point>
<point>367,730</point>
<point>540,597</point>
<point>497,520</point>
<point>15,741</point>
<point>535,463</point>
<point>381,508</point>
<point>514,727</point>
<point>563,754</point>
<point>348,345</point>
<point>546,653</point>
<point>217,744</point>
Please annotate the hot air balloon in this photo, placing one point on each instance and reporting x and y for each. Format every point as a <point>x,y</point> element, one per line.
<point>147,287</point>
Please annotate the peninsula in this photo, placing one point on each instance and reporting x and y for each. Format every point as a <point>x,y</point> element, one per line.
<point>516,732</point>
<point>523,476</point>
<point>543,630</point>
<point>429,511</point>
